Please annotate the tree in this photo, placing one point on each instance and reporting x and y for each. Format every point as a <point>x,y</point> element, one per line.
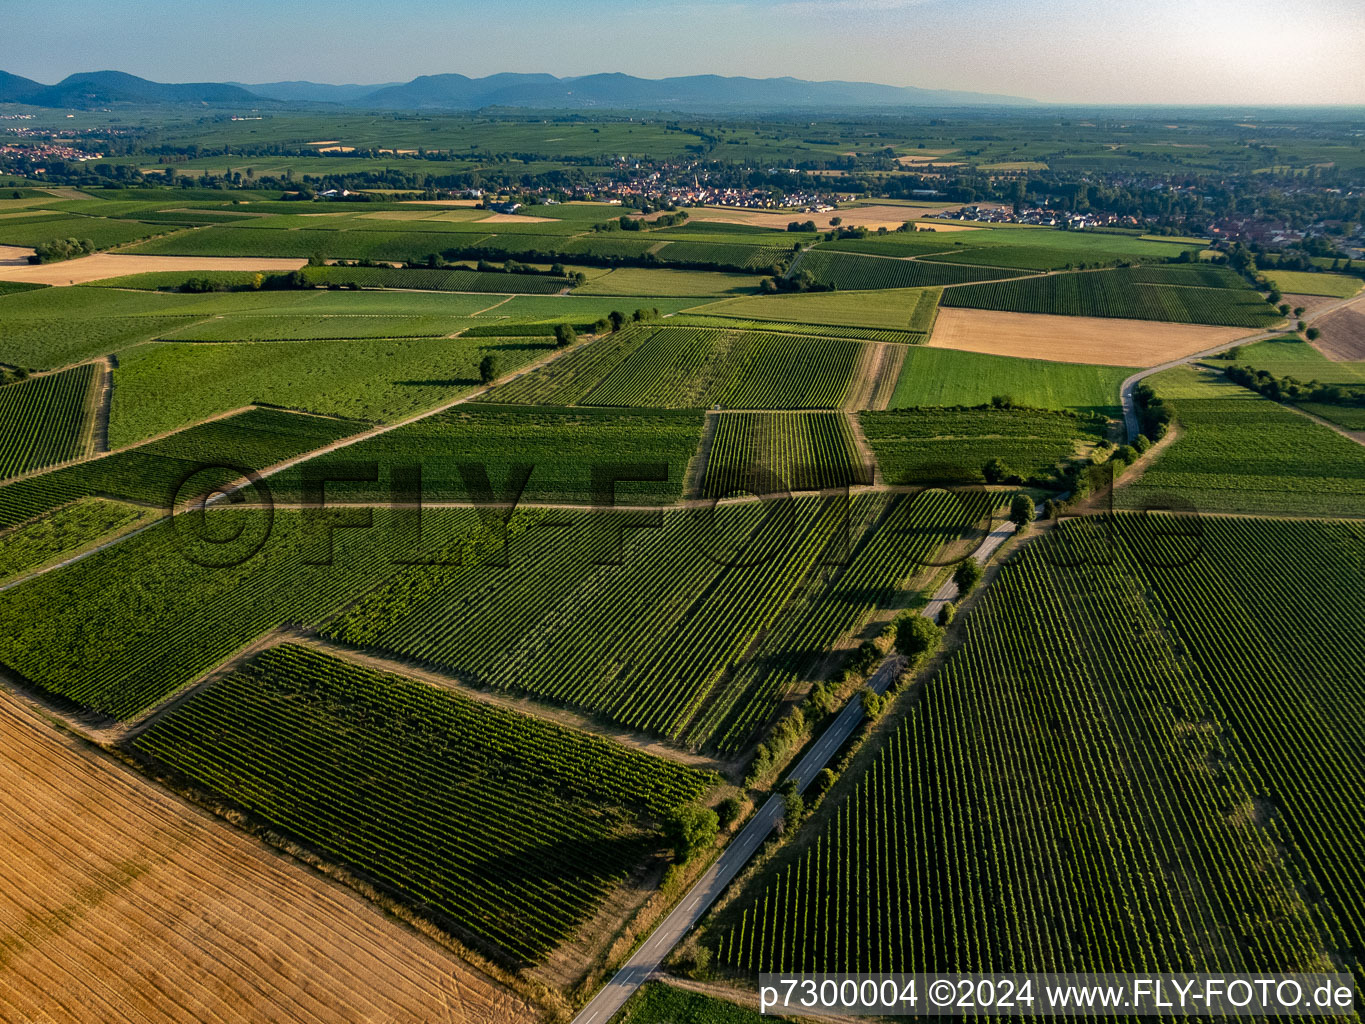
<point>1312,334</point>
<point>691,829</point>
<point>873,704</point>
<point>488,369</point>
<point>996,471</point>
<point>1021,510</point>
<point>967,575</point>
<point>729,810</point>
<point>565,335</point>
<point>1052,507</point>
<point>834,222</point>
<point>947,614</point>
<point>917,637</point>
<point>617,319</point>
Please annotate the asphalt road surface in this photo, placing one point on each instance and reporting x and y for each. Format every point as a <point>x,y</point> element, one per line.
<point>708,888</point>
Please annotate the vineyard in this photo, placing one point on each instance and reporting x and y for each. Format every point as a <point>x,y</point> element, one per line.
<point>69,528</point>
<point>46,420</point>
<point>121,630</point>
<point>889,314</point>
<point>149,474</point>
<point>456,280</point>
<point>771,452</point>
<point>1119,293</point>
<point>723,321</point>
<point>165,386</point>
<point>561,448</point>
<point>656,629</point>
<point>1165,728</point>
<point>736,369</point>
<point>923,446</point>
<point>318,328</point>
<point>848,271</point>
<point>506,828</point>
<point>1244,453</point>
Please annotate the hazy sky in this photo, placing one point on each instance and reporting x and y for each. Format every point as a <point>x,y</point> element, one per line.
<point>1075,51</point>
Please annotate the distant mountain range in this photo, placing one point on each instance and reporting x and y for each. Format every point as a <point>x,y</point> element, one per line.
<point>459,92</point>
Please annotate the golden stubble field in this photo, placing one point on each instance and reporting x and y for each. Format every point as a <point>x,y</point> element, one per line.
<point>104,265</point>
<point>118,903</point>
<point>1074,339</point>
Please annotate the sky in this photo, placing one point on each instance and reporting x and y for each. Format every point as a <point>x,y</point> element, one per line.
<point>1238,52</point>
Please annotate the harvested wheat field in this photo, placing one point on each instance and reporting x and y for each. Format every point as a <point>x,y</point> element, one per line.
<point>514,218</point>
<point>120,904</point>
<point>871,217</point>
<point>1342,334</point>
<point>14,256</point>
<point>1074,339</point>
<point>112,264</point>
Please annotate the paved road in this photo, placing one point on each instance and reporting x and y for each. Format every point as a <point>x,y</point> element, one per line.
<point>1128,389</point>
<point>708,888</point>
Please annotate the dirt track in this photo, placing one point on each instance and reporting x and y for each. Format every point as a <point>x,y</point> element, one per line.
<point>1074,339</point>
<point>119,904</point>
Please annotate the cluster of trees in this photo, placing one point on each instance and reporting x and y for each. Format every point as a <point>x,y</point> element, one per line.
<point>1291,389</point>
<point>1154,412</point>
<point>59,249</point>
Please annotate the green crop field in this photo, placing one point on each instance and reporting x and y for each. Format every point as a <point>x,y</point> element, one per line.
<point>924,446</point>
<point>1240,452</point>
<point>1301,283</point>
<point>1124,708</point>
<point>46,420</point>
<point>318,328</point>
<point>696,368</point>
<point>646,281</point>
<point>150,474</point>
<point>656,1003</point>
<point>166,386</point>
<point>560,447</point>
<point>910,309</point>
<point>1290,356</point>
<point>940,377</point>
<point>850,272</point>
<point>511,829</point>
<point>771,452</point>
<point>1118,293</point>
<point>104,233</point>
<point>61,532</point>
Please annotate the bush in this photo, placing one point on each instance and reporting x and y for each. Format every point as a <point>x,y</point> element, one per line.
<point>564,335</point>
<point>947,614</point>
<point>873,703</point>
<point>488,369</point>
<point>728,811</point>
<point>793,807</point>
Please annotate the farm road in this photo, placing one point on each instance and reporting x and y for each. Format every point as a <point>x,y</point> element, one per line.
<point>652,953</point>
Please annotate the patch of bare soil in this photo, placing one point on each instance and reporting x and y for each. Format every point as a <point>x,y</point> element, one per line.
<point>1342,334</point>
<point>1074,339</point>
<point>120,904</point>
